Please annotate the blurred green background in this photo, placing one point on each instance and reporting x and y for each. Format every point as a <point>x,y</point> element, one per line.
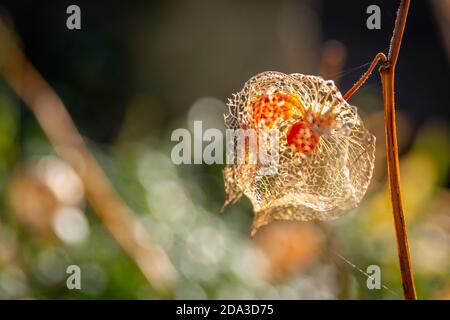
<point>135,72</point>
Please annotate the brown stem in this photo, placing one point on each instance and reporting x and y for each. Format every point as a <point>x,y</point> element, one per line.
<point>380,56</point>
<point>387,71</point>
<point>55,121</point>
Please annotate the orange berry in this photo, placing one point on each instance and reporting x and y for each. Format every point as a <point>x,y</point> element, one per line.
<point>302,138</point>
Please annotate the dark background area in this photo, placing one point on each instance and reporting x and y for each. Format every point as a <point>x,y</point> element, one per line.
<point>96,61</point>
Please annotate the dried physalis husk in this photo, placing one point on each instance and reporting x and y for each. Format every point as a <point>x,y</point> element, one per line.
<point>325,154</point>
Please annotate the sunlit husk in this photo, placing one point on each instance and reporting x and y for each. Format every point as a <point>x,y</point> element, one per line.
<point>322,185</point>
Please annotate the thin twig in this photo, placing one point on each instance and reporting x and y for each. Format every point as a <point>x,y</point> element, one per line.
<point>380,56</point>
<point>387,71</point>
<point>55,121</point>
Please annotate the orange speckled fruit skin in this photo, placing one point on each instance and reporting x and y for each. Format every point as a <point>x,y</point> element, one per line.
<point>301,137</point>
<point>268,108</point>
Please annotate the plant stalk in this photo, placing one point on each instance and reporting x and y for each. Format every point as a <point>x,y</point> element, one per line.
<point>387,72</point>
